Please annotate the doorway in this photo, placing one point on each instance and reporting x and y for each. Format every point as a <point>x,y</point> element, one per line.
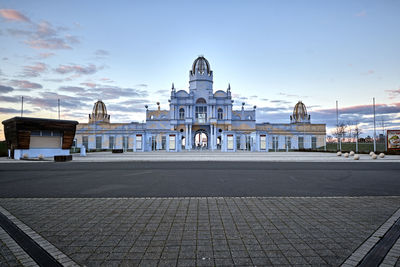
<point>201,139</point>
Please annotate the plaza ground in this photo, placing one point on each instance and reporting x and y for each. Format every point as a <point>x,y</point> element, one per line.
<point>276,210</point>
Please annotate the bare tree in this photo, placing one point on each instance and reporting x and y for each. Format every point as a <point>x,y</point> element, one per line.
<point>357,132</point>
<point>340,132</point>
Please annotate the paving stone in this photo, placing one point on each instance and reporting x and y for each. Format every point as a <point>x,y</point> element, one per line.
<point>223,231</point>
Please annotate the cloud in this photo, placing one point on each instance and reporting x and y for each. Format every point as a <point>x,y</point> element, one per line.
<point>112,92</point>
<point>134,102</point>
<point>362,13</point>
<point>87,70</point>
<point>34,70</point>
<point>125,109</point>
<point>141,85</point>
<point>88,84</point>
<point>48,101</point>
<point>72,89</point>
<point>12,110</point>
<point>23,84</point>
<point>162,92</point>
<point>101,52</point>
<point>106,80</point>
<point>44,35</point>
<point>393,93</point>
<point>13,15</point>
<point>49,43</point>
<point>280,101</point>
<point>5,89</point>
<point>292,95</point>
<point>10,99</point>
<point>46,55</point>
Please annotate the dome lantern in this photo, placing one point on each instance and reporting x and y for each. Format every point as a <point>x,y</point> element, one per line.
<point>300,114</point>
<point>99,113</point>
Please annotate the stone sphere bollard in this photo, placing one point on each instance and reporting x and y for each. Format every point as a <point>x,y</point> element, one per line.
<point>25,156</point>
<point>346,155</point>
<point>351,153</point>
<point>371,153</point>
<point>339,154</point>
<point>356,157</point>
<point>381,155</point>
<point>41,157</point>
<point>374,156</point>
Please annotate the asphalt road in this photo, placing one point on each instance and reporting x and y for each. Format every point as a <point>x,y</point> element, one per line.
<point>189,179</point>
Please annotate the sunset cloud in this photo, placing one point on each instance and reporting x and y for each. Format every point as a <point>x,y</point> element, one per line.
<point>34,70</point>
<point>13,15</point>
<point>91,85</point>
<point>78,69</point>
<point>23,84</point>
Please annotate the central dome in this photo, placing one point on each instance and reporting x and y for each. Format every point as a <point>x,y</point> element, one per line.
<point>201,65</point>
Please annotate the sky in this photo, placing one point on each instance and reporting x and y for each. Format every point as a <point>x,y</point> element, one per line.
<point>272,53</point>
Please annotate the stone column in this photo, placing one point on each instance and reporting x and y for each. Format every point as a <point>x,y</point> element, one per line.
<point>186,137</point>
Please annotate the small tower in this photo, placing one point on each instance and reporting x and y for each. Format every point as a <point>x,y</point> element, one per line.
<point>99,113</point>
<point>201,75</point>
<point>300,114</point>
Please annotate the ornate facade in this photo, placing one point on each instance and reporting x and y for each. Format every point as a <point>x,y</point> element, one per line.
<point>200,119</point>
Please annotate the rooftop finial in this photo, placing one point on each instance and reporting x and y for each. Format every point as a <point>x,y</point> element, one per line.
<point>173,87</point>
<point>229,87</point>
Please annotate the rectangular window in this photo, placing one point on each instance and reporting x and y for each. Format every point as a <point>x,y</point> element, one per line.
<point>125,142</point>
<point>85,142</point>
<point>230,142</point>
<point>314,142</point>
<point>153,143</point>
<point>275,144</point>
<point>56,133</point>
<point>301,142</point>
<point>263,142</point>
<point>35,133</point>
<point>111,142</point>
<point>288,142</point>
<point>139,142</point>
<point>172,142</point>
<point>237,142</point>
<point>98,142</point>
<point>163,142</point>
<point>201,114</point>
<point>46,133</point>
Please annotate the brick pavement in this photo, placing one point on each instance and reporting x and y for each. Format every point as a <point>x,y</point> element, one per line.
<point>205,231</point>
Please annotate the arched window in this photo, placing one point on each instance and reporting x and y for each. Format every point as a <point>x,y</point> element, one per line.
<point>201,101</point>
<point>181,113</point>
<point>220,114</point>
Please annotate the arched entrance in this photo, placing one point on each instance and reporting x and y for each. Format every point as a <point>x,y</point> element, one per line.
<point>200,139</point>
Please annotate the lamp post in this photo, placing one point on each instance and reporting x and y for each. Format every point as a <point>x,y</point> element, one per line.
<point>373,100</point>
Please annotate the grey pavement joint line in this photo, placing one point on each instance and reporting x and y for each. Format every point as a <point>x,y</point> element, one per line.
<point>363,250</point>
<point>46,245</point>
<point>18,252</point>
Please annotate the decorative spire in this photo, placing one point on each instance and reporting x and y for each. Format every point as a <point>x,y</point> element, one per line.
<point>173,87</point>
<point>158,104</point>
<point>229,87</point>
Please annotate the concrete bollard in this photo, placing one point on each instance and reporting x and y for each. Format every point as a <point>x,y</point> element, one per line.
<point>351,153</point>
<point>381,155</point>
<point>346,155</point>
<point>374,156</point>
<point>41,157</point>
<point>371,153</point>
<point>339,154</point>
<point>25,156</point>
<point>356,157</point>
